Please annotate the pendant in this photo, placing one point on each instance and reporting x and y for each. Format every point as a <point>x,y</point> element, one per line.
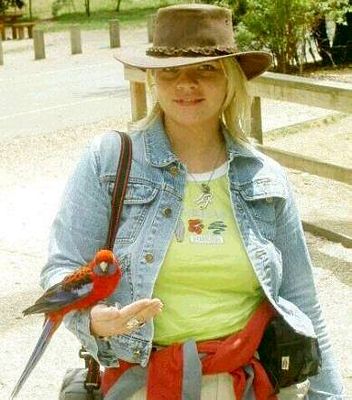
<point>205,188</point>
<point>205,198</point>
<point>180,231</point>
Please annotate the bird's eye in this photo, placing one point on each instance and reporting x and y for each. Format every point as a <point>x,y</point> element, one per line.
<point>104,266</point>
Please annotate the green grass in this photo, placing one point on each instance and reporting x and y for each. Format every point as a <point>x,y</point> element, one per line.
<point>98,19</point>
<point>133,13</point>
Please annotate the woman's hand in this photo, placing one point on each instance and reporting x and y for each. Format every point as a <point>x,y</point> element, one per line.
<point>110,320</point>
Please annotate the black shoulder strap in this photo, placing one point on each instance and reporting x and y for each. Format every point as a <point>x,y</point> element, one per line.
<point>92,381</point>
<point>122,174</point>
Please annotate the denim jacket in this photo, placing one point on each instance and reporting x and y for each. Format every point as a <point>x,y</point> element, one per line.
<point>263,207</point>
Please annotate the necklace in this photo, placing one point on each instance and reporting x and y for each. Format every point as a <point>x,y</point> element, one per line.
<point>206,196</point>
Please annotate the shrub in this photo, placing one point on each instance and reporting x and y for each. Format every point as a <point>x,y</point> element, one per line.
<point>283,27</point>
<point>58,5</point>
<point>5,4</point>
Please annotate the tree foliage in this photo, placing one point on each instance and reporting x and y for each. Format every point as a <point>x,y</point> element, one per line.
<point>58,5</point>
<point>6,4</point>
<point>279,25</point>
<point>285,27</point>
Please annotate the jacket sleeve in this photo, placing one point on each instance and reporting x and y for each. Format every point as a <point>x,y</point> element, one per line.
<point>79,230</point>
<point>298,287</point>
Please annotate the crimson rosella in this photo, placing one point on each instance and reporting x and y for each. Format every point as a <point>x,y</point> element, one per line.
<point>81,289</point>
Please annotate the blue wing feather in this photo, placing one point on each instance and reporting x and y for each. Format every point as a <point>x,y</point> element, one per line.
<point>59,296</point>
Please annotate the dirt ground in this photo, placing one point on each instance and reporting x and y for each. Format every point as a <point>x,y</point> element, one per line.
<point>33,171</point>
<point>328,140</point>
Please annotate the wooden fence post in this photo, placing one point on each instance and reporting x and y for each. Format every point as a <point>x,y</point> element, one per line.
<point>1,53</point>
<point>14,32</point>
<point>256,120</point>
<point>2,31</point>
<point>20,30</point>
<point>151,24</point>
<point>114,29</point>
<point>138,100</point>
<point>75,36</point>
<point>39,45</point>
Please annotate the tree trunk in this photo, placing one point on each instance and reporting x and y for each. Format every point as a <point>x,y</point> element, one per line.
<point>118,5</point>
<point>87,7</point>
<point>30,9</point>
<point>281,62</point>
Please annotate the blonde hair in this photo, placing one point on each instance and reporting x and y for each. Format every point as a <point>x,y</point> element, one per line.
<point>235,112</point>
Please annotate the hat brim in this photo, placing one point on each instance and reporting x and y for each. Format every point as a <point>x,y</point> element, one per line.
<point>253,63</point>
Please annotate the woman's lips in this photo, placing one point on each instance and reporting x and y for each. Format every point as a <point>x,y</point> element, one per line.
<point>187,102</point>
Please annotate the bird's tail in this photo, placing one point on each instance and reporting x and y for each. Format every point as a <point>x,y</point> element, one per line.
<point>49,328</point>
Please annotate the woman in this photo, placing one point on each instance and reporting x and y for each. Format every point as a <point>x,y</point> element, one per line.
<point>209,230</point>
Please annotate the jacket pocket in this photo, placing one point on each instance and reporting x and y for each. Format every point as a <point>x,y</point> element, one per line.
<point>140,195</point>
<point>261,197</point>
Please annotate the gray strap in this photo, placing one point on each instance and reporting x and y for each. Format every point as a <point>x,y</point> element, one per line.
<point>192,372</point>
<point>248,391</point>
<point>135,378</point>
<point>128,384</point>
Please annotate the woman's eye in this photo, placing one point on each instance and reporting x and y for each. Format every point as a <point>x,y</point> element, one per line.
<point>207,67</point>
<point>170,70</point>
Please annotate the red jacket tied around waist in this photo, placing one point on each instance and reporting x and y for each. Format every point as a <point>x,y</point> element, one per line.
<point>175,371</point>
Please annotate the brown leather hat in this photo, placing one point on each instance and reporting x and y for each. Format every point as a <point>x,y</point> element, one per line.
<point>189,34</point>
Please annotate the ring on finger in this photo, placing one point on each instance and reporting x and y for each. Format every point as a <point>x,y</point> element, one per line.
<point>134,323</point>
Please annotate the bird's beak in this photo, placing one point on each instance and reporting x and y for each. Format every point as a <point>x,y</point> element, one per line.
<point>104,266</point>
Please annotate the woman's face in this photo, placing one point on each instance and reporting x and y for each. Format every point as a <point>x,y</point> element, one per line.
<point>192,95</point>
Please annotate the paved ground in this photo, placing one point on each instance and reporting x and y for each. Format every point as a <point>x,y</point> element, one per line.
<point>64,90</point>
<point>61,91</point>
<point>54,108</point>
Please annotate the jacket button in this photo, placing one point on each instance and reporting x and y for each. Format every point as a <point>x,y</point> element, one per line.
<point>136,354</point>
<point>149,258</point>
<point>173,170</point>
<point>167,212</point>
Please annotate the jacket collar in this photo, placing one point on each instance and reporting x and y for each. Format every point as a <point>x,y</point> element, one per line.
<point>157,145</point>
<point>159,152</point>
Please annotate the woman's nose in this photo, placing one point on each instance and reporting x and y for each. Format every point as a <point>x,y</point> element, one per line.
<point>186,79</point>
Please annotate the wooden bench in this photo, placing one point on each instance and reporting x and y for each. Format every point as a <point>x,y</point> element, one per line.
<point>7,19</point>
<point>19,27</point>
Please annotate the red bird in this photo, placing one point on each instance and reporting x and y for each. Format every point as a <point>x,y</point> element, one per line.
<point>83,288</point>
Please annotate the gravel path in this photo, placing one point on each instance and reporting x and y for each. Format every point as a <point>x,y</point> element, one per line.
<point>33,171</point>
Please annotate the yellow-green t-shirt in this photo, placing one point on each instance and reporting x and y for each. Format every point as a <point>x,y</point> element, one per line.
<point>207,283</point>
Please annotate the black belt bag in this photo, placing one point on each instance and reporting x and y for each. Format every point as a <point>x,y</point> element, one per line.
<point>287,356</point>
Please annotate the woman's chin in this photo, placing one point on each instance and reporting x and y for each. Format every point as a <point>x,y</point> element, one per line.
<point>190,119</point>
